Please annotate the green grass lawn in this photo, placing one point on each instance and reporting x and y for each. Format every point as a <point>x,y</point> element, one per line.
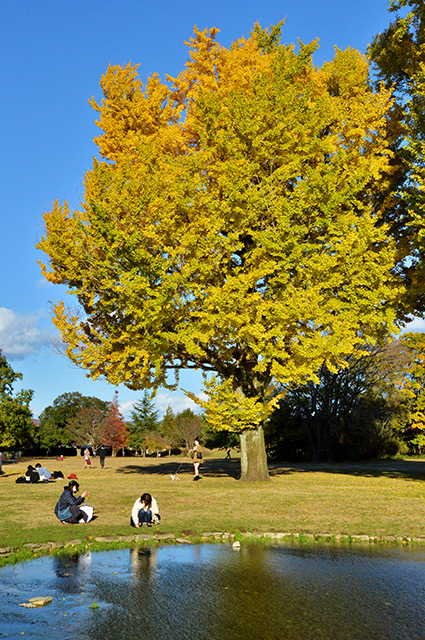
<point>380,498</point>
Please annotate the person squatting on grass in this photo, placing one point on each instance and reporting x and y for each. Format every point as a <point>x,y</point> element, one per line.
<point>67,507</point>
<point>145,511</point>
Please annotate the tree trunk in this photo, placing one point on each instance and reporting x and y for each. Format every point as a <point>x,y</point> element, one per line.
<point>253,456</point>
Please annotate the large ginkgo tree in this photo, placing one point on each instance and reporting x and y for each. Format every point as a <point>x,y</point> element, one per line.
<point>232,224</point>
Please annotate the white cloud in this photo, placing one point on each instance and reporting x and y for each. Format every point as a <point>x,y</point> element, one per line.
<point>19,335</point>
<point>44,284</point>
<point>417,325</point>
<point>177,403</point>
<point>162,401</point>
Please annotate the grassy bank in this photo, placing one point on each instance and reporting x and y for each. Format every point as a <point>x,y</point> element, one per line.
<point>376,499</point>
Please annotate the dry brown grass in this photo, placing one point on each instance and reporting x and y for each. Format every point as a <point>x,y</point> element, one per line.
<point>385,498</point>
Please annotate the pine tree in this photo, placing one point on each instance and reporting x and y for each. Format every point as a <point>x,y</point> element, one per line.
<point>144,420</point>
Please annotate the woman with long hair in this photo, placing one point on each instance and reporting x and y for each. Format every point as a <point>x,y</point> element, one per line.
<point>87,460</point>
<point>145,511</point>
<point>67,507</point>
<point>197,458</point>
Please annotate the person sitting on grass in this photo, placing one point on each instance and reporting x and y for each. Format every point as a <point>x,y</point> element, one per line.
<point>31,474</point>
<point>145,511</point>
<point>67,507</point>
<point>44,473</point>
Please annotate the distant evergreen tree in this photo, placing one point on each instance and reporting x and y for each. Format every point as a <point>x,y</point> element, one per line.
<point>144,421</point>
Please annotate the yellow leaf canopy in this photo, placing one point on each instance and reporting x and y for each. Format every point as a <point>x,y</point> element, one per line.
<point>231,223</point>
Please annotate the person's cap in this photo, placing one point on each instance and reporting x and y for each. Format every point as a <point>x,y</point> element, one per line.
<point>72,476</point>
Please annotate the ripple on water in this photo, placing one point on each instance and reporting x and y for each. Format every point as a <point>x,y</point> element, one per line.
<point>212,592</point>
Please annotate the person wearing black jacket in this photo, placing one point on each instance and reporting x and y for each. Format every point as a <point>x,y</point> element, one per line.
<point>31,474</point>
<point>101,452</point>
<point>69,501</point>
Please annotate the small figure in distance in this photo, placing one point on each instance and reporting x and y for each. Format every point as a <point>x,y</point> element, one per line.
<point>145,511</point>
<point>197,458</point>
<point>67,508</point>
<point>87,461</point>
<point>1,462</point>
<point>101,452</point>
<point>228,456</point>
<point>44,473</point>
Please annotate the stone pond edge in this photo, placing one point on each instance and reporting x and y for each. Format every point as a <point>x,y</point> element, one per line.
<point>216,536</point>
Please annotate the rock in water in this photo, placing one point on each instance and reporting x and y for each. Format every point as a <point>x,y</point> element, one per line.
<point>41,601</point>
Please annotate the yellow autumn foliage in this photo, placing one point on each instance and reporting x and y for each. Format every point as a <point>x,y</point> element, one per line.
<point>231,224</point>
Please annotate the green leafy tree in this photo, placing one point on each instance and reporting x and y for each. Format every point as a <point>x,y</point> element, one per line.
<point>143,420</point>
<point>168,429</point>
<point>54,428</point>
<point>412,422</point>
<point>15,415</point>
<point>348,414</point>
<point>233,225</point>
<point>398,54</point>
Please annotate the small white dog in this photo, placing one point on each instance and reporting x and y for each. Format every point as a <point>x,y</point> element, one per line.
<point>174,477</point>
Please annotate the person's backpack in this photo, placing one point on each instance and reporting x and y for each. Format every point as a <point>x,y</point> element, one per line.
<point>21,480</point>
<point>57,474</point>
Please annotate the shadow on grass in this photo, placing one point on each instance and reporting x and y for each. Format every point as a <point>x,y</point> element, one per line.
<point>214,468</point>
<point>411,469</point>
<point>218,467</point>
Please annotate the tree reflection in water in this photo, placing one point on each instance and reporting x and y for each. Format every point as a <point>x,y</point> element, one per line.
<point>210,592</point>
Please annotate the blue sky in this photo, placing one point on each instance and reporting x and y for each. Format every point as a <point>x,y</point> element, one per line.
<point>52,57</point>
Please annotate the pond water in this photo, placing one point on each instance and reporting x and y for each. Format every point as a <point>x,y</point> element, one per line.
<point>212,592</point>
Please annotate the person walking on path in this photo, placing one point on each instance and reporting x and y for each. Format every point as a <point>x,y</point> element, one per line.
<point>197,458</point>
<point>87,461</point>
<point>101,452</point>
